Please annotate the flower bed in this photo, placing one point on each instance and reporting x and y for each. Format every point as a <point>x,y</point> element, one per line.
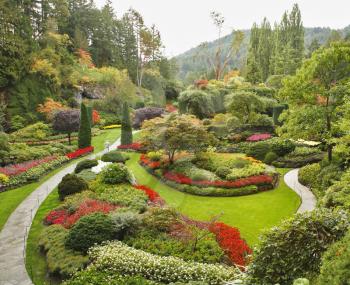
<point>230,241</point>
<point>252,180</point>
<point>89,206</point>
<point>16,169</point>
<point>111,127</point>
<point>153,196</point>
<point>80,152</point>
<point>118,258</point>
<point>134,146</point>
<point>149,163</point>
<point>258,137</point>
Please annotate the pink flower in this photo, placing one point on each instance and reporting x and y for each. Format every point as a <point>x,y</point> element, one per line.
<point>258,137</point>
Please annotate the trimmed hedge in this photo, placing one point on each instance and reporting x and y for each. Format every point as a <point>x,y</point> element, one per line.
<point>85,164</point>
<point>71,184</point>
<point>114,156</point>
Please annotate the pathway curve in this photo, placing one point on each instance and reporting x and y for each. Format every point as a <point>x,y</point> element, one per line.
<point>14,234</point>
<point>308,199</point>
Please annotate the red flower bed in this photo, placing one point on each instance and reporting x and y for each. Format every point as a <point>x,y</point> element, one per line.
<point>151,164</point>
<point>133,146</point>
<point>153,196</point>
<point>170,108</point>
<point>87,207</point>
<point>230,241</point>
<point>56,217</point>
<point>19,168</point>
<point>258,137</point>
<point>80,152</point>
<point>252,180</point>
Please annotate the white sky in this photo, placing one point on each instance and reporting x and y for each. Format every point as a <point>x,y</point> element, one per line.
<point>186,23</point>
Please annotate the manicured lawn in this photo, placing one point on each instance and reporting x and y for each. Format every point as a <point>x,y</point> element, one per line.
<point>251,214</point>
<point>35,260</point>
<point>9,200</point>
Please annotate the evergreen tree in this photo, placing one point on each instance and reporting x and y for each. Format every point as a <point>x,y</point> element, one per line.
<point>84,136</point>
<point>315,45</point>
<point>264,49</point>
<point>253,74</point>
<point>126,134</point>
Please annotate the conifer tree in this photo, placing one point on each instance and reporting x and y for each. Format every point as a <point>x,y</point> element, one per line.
<point>84,136</point>
<point>126,134</point>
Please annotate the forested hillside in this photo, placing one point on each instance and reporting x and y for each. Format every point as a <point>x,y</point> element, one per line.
<point>194,63</point>
<point>65,50</point>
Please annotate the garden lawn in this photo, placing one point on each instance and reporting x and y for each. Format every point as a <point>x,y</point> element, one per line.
<point>9,200</point>
<point>251,214</point>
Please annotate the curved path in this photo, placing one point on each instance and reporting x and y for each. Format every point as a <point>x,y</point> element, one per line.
<point>14,234</point>
<point>308,199</point>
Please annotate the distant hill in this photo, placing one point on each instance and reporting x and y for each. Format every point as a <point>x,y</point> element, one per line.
<point>193,62</point>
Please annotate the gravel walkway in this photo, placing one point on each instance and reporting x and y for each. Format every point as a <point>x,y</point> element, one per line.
<point>308,199</point>
<point>14,234</point>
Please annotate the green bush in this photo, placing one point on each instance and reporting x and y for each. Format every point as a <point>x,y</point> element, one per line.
<point>281,146</point>
<point>89,230</point>
<point>126,129</point>
<point>37,131</point>
<point>87,175</point>
<point>60,260</point>
<point>114,156</point>
<point>308,174</point>
<point>258,150</point>
<point>125,222</point>
<point>294,248</point>
<point>270,157</point>
<point>160,219</point>
<point>222,171</point>
<point>114,174</point>
<point>85,164</point>
<point>335,267</point>
<point>155,155</point>
<point>84,136</point>
<point>71,184</point>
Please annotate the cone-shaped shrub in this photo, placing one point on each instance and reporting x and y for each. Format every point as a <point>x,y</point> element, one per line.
<point>126,135</point>
<point>84,137</point>
<point>89,112</point>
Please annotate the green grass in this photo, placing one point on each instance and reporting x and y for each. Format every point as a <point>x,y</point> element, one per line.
<point>9,200</point>
<point>35,260</point>
<point>251,214</point>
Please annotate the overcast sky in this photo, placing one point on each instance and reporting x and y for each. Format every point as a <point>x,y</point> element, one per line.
<point>186,23</point>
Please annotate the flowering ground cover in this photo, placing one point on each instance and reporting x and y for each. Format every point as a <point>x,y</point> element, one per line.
<point>134,146</point>
<point>258,137</point>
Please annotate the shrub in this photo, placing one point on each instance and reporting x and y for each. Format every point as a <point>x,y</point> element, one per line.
<point>87,175</point>
<point>114,156</point>
<point>281,146</point>
<point>294,248</point>
<point>90,230</point>
<point>118,258</point>
<point>84,136</point>
<point>155,155</point>
<point>336,263</point>
<point>258,150</point>
<point>160,219</point>
<point>3,179</point>
<point>36,131</point>
<point>308,174</point>
<point>126,131</point>
<point>114,174</point>
<point>270,157</point>
<point>147,113</point>
<point>125,222</point>
<point>71,184</point>
<point>85,164</point>
<point>223,171</point>
<point>258,137</point>
<point>59,259</point>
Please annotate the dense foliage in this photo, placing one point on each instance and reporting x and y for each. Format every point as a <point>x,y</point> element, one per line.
<point>71,184</point>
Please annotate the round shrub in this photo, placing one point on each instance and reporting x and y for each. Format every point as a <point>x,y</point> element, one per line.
<point>335,268</point>
<point>258,150</point>
<point>87,175</point>
<point>222,171</point>
<point>71,184</point>
<point>270,157</point>
<point>114,174</point>
<point>155,155</point>
<point>308,174</point>
<point>294,248</point>
<point>85,164</point>
<point>114,156</point>
<point>89,230</point>
<point>125,222</point>
<point>282,147</point>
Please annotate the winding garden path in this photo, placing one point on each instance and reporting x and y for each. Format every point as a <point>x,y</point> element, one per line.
<point>14,235</point>
<point>308,199</point>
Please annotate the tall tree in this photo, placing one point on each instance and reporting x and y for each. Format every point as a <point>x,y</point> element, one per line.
<point>315,93</point>
<point>126,134</point>
<point>84,136</point>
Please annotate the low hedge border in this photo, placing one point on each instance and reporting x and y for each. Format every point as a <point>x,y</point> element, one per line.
<point>214,191</point>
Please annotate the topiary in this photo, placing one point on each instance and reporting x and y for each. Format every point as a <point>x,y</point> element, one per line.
<point>270,157</point>
<point>114,174</point>
<point>126,130</point>
<point>114,156</point>
<point>84,136</point>
<point>89,230</point>
<point>222,171</point>
<point>85,164</point>
<point>294,248</point>
<point>335,268</point>
<point>71,184</point>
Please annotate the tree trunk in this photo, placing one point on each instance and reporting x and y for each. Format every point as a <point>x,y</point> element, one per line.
<point>329,151</point>
<point>69,140</point>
